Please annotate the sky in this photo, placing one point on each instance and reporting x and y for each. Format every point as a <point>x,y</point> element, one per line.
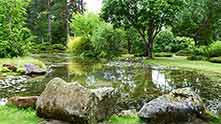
<point>93,5</point>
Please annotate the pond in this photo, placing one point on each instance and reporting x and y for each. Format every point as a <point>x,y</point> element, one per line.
<point>136,81</point>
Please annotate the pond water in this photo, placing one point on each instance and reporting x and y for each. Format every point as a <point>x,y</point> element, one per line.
<point>137,82</point>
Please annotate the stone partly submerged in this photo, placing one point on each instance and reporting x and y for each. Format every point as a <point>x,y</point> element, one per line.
<point>74,103</point>
<point>181,105</point>
<point>31,69</point>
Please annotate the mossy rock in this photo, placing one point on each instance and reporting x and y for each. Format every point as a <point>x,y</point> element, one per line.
<point>215,59</point>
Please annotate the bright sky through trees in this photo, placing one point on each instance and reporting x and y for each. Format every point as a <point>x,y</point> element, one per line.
<point>93,5</point>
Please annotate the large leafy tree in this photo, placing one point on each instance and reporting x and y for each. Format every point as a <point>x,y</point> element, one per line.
<point>146,16</point>
<point>200,20</point>
<point>49,19</point>
<point>15,38</point>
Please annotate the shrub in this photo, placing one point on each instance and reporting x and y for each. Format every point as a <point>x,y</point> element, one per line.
<point>84,25</point>
<point>215,59</point>
<point>107,41</point>
<point>214,49</point>
<point>79,46</point>
<point>94,37</point>
<point>200,51</point>
<point>163,54</point>
<point>194,57</point>
<point>167,42</point>
<point>164,41</point>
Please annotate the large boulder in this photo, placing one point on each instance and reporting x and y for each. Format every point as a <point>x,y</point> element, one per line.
<point>23,102</point>
<point>74,103</point>
<point>106,99</point>
<point>178,106</point>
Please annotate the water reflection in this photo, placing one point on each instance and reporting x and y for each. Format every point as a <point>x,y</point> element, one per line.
<point>135,80</point>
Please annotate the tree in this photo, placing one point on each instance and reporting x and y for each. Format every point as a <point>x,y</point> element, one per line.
<point>200,20</point>
<point>15,38</point>
<point>146,16</point>
<point>49,19</point>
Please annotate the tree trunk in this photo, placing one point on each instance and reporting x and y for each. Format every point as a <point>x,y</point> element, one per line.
<point>129,45</point>
<point>150,49</point>
<point>67,19</point>
<point>49,22</point>
<point>146,49</point>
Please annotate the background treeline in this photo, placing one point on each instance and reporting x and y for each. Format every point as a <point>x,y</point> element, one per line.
<point>142,27</point>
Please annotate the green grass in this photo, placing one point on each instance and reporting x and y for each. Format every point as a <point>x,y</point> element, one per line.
<point>19,62</point>
<point>124,120</point>
<point>182,62</point>
<point>13,115</point>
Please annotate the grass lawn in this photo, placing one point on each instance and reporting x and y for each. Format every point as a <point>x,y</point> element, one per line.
<point>182,62</point>
<point>13,115</point>
<point>124,120</point>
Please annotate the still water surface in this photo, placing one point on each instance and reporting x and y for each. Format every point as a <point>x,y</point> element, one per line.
<point>135,80</point>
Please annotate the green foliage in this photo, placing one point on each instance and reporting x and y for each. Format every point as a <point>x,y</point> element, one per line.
<point>38,12</point>
<point>200,20</point>
<point>194,57</point>
<point>125,120</point>
<point>13,115</point>
<point>146,16</point>
<point>79,46</point>
<point>85,25</point>
<point>166,42</point>
<point>214,49</point>
<point>107,41</point>
<point>94,37</point>
<point>15,38</point>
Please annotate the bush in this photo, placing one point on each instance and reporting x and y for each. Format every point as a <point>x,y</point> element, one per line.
<point>107,41</point>
<point>163,54</point>
<point>194,57</point>
<point>166,42</point>
<point>214,49</point>
<point>163,42</point>
<point>79,46</point>
<point>84,25</point>
<point>15,39</point>
<point>95,38</point>
<point>215,59</point>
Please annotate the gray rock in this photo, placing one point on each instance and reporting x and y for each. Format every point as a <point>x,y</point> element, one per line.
<point>74,103</point>
<point>106,100</point>
<point>31,69</point>
<point>128,113</point>
<point>178,106</point>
